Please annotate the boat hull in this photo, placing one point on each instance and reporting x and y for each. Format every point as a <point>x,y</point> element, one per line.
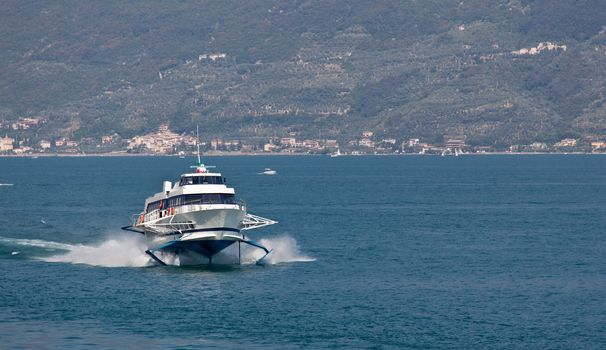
<point>194,252</point>
<point>204,231</point>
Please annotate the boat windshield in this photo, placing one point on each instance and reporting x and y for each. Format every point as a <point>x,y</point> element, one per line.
<point>208,198</point>
<point>201,180</point>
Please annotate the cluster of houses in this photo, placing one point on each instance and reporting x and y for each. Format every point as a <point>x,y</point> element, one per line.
<point>565,145</point>
<point>367,143</point>
<point>10,145</point>
<point>165,141</point>
<point>290,144</point>
<point>23,123</point>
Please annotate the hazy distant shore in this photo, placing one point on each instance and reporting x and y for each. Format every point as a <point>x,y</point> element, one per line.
<point>232,154</point>
<point>208,154</point>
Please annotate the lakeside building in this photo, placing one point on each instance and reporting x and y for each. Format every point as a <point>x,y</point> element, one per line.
<point>45,144</point>
<point>413,142</point>
<point>269,147</point>
<point>107,139</point>
<point>539,146</point>
<point>22,150</point>
<point>246,149</point>
<point>6,144</point>
<point>331,144</point>
<point>455,143</point>
<point>288,141</point>
<point>365,142</point>
<point>71,143</point>
<point>313,144</point>
<point>598,146</point>
<point>25,123</point>
<point>566,143</point>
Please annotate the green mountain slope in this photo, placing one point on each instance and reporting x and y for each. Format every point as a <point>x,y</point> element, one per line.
<point>498,72</point>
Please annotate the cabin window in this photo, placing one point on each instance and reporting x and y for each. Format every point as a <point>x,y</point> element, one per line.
<point>175,201</point>
<point>191,199</point>
<point>153,206</point>
<point>201,180</point>
<point>212,198</point>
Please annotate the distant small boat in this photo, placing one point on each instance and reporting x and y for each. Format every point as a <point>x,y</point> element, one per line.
<point>182,155</point>
<point>336,154</point>
<point>268,171</point>
<point>6,184</point>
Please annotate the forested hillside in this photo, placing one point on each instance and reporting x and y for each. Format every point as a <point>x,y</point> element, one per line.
<point>496,72</point>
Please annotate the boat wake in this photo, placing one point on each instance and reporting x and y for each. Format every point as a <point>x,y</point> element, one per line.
<point>38,243</point>
<point>114,251</point>
<point>129,251</point>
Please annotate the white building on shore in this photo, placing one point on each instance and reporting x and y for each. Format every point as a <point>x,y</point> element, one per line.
<point>6,144</point>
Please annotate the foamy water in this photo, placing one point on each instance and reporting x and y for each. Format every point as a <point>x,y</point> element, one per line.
<point>129,251</point>
<point>35,243</point>
<point>115,251</point>
<point>284,249</point>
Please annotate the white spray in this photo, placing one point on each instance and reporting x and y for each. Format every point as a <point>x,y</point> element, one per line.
<point>284,249</point>
<point>115,251</point>
<point>119,250</point>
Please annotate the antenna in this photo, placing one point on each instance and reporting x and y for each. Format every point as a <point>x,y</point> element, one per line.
<point>198,144</point>
<point>200,168</point>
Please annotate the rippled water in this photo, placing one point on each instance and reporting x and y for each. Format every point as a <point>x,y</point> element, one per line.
<point>383,252</point>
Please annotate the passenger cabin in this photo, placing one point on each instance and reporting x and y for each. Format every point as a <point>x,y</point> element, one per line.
<point>194,188</point>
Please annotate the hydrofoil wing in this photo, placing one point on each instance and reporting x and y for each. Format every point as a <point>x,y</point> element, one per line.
<point>254,221</point>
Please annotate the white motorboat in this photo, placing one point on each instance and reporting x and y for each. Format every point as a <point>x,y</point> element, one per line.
<point>336,154</point>
<point>198,217</point>
<point>268,171</point>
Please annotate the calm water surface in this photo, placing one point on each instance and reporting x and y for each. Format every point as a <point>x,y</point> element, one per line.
<point>371,252</point>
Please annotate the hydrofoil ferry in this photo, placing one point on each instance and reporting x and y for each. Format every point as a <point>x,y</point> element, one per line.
<point>199,217</point>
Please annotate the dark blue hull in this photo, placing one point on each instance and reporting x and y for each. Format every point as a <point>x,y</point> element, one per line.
<point>206,248</point>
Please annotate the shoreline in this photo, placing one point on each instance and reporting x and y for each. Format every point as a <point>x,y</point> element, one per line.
<point>238,154</point>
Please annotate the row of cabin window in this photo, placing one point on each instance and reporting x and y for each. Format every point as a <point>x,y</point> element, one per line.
<point>214,198</point>
<point>201,180</point>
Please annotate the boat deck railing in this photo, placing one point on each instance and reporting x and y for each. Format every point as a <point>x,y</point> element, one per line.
<point>168,212</point>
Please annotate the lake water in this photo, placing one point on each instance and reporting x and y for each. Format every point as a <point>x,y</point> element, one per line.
<point>370,252</point>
